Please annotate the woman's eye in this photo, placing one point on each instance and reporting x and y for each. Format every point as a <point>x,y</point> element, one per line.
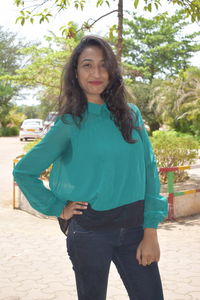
<point>87,66</point>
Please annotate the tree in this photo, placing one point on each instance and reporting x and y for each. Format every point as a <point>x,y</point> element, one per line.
<point>10,60</point>
<point>44,70</point>
<point>177,101</point>
<point>157,47</point>
<point>45,64</point>
<point>142,94</point>
<point>188,99</point>
<point>29,112</point>
<point>45,9</point>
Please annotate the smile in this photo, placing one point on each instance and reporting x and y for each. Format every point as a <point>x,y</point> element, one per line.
<point>95,82</point>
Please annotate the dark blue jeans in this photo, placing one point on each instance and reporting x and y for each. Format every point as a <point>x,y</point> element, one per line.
<point>91,253</point>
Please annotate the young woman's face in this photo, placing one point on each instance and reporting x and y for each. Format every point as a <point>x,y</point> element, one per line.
<point>91,72</point>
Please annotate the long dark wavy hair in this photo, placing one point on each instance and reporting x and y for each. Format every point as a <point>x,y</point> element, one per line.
<point>72,99</point>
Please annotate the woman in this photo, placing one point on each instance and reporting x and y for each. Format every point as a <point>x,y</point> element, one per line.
<point>104,178</point>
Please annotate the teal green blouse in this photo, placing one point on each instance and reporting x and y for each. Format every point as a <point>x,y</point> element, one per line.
<point>93,163</point>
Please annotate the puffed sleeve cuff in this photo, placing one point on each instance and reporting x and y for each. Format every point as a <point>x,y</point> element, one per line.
<point>56,208</point>
<point>33,188</point>
<point>155,210</point>
<point>153,218</point>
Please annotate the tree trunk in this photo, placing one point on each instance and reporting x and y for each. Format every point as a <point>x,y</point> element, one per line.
<point>120,29</point>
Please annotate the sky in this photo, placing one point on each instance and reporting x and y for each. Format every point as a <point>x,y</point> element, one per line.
<point>36,32</point>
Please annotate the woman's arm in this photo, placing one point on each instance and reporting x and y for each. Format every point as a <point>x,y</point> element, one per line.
<point>27,171</point>
<point>155,205</point>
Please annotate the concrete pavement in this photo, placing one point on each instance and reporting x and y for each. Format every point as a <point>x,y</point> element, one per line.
<point>34,264</point>
<point>10,147</point>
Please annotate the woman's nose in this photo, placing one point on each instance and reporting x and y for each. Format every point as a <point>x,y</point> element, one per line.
<point>96,71</point>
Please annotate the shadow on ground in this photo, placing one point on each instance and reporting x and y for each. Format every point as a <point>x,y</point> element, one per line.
<point>186,221</point>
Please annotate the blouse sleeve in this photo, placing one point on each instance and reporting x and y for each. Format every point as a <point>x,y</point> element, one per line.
<point>27,171</point>
<point>155,205</point>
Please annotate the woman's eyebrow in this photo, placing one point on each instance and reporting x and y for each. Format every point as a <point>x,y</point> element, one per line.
<point>89,59</point>
<point>86,59</point>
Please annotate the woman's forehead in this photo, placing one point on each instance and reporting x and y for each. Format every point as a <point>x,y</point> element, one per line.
<point>91,53</point>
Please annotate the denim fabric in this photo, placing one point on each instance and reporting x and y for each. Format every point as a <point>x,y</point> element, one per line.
<point>91,253</point>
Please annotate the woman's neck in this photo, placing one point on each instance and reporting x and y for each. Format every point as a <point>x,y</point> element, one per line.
<point>99,101</point>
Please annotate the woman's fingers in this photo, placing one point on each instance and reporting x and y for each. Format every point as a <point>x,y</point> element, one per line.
<point>147,260</point>
<point>73,208</point>
<point>147,253</point>
<point>80,206</point>
<point>77,207</point>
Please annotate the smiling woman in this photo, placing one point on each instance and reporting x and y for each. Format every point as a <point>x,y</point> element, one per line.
<point>92,73</point>
<point>104,181</point>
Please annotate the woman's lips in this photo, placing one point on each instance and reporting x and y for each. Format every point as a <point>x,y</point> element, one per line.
<point>96,82</point>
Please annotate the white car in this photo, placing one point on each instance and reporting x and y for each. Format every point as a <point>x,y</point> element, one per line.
<point>31,129</point>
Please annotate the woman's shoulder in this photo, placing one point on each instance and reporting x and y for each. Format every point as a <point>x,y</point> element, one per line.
<point>134,107</point>
<point>64,119</point>
<point>135,110</point>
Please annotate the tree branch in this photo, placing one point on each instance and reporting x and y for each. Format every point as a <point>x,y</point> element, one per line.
<point>90,26</point>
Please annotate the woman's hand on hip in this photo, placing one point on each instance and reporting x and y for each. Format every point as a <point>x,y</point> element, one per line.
<point>73,208</point>
<point>148,250</point>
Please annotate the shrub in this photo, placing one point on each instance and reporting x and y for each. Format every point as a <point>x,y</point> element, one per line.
<point>174,149</point>
<point>30,145</point>
<point>9,131</point>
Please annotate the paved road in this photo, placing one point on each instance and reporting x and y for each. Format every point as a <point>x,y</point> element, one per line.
<point>10,147</point>
<point>34,264</point>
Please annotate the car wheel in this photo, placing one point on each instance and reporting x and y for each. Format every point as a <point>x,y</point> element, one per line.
<point>21,139</point>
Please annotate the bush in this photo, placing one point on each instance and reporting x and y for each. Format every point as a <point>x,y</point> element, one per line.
<point>30,145</point>
<point>174,149</point>
<point>9,131</point>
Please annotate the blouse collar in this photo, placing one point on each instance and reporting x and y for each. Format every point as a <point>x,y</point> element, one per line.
<point>97,109</point>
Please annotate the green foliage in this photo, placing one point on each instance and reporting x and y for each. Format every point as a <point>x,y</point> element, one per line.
<point>45,64</point>
<point>142,94</point>
<point>30,145</point>
<point>29,112</point>
<point>177,101</point>
<point>69,31</point>
<point>174,149</point>
<point>43,10</point>
<point>190,8</point>
<point>44,72</point>
<point>101,2</point>
<point>10,60</point>
<point>9,131</point>
<point>157,46</point>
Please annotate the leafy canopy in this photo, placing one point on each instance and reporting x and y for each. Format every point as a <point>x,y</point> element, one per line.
<point>10,61</point>
<point>44,10</point>
<point>160,46</point>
